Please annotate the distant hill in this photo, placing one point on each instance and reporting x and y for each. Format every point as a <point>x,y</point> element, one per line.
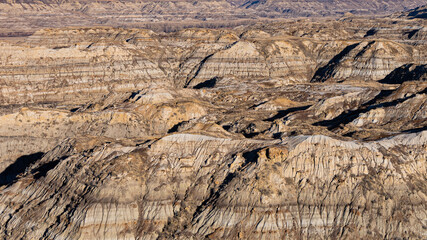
<point>329,7</point>
<point>20,17</point>
<point>419,12</point>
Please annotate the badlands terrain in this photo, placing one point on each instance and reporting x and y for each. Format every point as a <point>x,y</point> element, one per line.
<point>23,17</point>
<point>309,128</point>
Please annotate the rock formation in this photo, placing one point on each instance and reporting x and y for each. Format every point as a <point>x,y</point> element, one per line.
<point>419,12</point>
<point>23,17</point>
<point>296,129</point>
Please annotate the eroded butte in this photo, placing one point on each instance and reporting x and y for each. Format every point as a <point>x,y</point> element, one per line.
<point>299,129</point>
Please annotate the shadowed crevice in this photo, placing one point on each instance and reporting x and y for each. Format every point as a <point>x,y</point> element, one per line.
<point>199,68</point>
<point>382,95</point>
<point>347,117</point>
<point>43,169</point>
<point>406,73</point>
<point>324,73</point>
<point>11,173</point>
<point>176,127</point>
<point>416,130</point>
<point>251,157</point>
<point>207,84</point>
<point>370,32</point>
<point>412,33</point>
<point>283,113</point>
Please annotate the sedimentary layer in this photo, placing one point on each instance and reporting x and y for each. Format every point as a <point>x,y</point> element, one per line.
<point>301,129</point>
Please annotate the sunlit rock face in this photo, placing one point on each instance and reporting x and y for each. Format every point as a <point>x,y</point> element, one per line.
<point>295,129</point>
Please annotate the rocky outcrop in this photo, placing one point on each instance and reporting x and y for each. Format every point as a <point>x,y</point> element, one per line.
<point>91,63</point>
<point>395,114</point>
<point>207,187</point>
<point>296,188</point>
<point>303,129</point>
<point>371,60</point>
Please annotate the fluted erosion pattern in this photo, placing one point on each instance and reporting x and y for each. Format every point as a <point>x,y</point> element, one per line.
<point>301,129</point>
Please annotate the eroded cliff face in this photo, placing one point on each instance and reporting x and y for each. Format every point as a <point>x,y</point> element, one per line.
<point>296,187</point>
<point>57,65</point>
<point>299,130</point>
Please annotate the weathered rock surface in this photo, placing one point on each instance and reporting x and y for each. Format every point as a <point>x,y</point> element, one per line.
<point>367,60</point>
<point>305,186</point>
<point>57,65</point>
<point>303,129</point>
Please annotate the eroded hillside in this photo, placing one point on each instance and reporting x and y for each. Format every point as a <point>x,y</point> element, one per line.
<point>23,17</point>
<point>301,129</point>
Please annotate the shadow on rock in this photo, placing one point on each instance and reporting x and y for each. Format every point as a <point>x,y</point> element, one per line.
<point>12,172</point>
